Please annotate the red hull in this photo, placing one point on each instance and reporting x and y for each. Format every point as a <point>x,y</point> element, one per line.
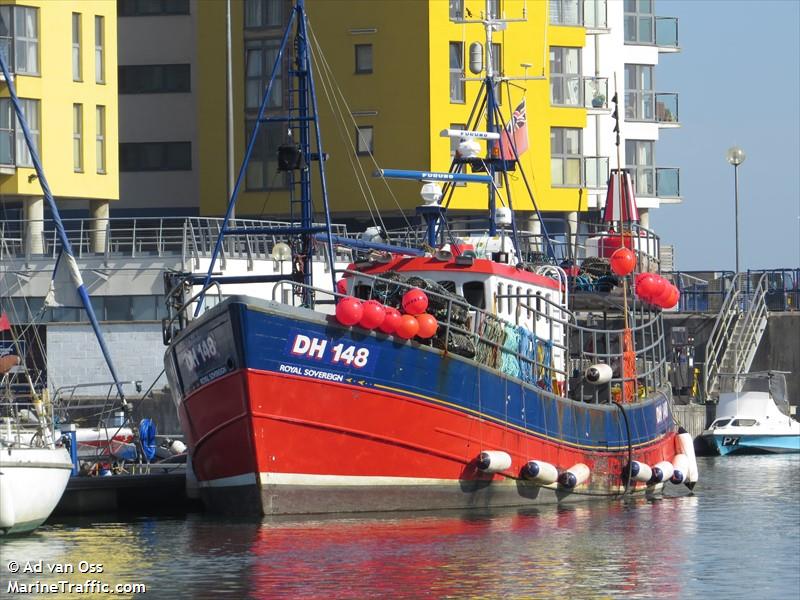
<point>267,433</point>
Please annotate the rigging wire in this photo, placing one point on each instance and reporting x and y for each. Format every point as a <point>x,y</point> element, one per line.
<point>320,55</point>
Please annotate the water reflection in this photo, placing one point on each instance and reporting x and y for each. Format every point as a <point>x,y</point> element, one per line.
<point>674,547</point>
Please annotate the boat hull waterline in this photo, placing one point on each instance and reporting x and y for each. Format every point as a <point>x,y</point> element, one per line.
<point>277,425</point>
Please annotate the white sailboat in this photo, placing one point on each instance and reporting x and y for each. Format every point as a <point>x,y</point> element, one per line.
<point>34,466</point>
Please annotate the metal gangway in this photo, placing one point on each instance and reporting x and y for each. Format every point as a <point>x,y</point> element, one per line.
<point>735,337</point>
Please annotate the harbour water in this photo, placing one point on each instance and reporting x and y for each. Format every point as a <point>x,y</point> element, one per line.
<point>736,536</point>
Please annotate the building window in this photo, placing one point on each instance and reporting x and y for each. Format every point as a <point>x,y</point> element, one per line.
<point>639,158</point>
<point>260,57</point>
<point>566,157</point>
<point>260,14</point>
<point>363,58</point>
<point>639,93</point>
<point>262,170</point>
<point>76,47</point>
<point>19,38</point>
<point>456,10</point>
<point>457,93</point>
<point>13,149</point>
<point>99,38</point>
<point>100,139</point>
<point>151,8</point>
<point>566,12</point>
<point>154,79</point>
<point>365,140</point>
<point>494,9</point>
<point>565,76</point>
<point>155,156</point>
<point>639,22</point>
<point>77,138</point>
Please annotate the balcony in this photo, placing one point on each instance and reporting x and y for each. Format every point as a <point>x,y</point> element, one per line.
<point>595,169</point>
<point>667,109</point>
<point>667,34</point>
<point>647,30</point>
<point>595,92</point>
<point>591,14</point>
<point>668,183</point>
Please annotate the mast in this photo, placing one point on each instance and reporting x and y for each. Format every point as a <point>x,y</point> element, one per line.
<point>66,247</point>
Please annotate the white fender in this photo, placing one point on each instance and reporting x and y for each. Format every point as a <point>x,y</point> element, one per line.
<point>662,471</point>
<point>540,472</point>
<point>574,476</point>
<point>686,446</point>
<point>680,467</point>
<point>8,516</point>
<point>639,471</point>
<point>494,461</point>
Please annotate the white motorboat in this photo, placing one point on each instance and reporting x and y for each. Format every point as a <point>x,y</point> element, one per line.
<point>754,418</point>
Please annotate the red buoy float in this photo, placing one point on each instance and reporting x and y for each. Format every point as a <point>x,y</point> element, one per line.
<point>390,320</point>
<point>645,284</point>
<point>349,311</point>
<point>373,314</point>
<point>657,288</point>
<point>427,325</point>
<point>415,301</point>
<point>623,261</point>
<point>341,286</point>
<point>407,327</point>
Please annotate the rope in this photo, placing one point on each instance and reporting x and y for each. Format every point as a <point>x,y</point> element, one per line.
<point>509,363</point>
<point>527,342</point>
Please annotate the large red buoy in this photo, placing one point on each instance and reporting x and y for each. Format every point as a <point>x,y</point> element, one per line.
<point>427,325</point>
<point>623,261</point>
<point>373,314</point>
<point>390,320</point>
<point>407,327</point>
<point>415,301</point>
<point>673,298</point>
<point>349,311</point>
<point>664,297</point>
<point>645,285</point>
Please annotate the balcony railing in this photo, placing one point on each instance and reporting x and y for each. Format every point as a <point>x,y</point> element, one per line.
<point>668,182</point>
<point>595,92</point>
<point>667,108</point>
<point>666,32</point>
<point>596,171</point>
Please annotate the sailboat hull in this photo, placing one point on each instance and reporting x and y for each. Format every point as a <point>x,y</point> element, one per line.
<point>277,425</point>
<point>32,481</point>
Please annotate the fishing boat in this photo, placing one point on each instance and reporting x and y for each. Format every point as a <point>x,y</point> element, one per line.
<point>754,417</point>
<point>468,370</point>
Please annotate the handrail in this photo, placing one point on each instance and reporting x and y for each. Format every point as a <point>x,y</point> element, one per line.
<point>719,338</point>
<point>753,317</point>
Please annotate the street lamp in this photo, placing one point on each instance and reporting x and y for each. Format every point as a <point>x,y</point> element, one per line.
<point>736,156</point>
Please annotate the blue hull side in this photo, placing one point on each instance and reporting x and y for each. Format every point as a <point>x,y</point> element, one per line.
<point>755,444</point>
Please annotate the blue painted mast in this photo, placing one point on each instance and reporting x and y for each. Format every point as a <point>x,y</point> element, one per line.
<point>62,235</point>
<point>302,121</point>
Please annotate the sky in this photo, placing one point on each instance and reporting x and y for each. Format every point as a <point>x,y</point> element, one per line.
<point>738,82</point>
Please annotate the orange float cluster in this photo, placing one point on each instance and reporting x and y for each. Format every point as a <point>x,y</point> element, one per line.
<point>656,290</point>
<point>374,315</point>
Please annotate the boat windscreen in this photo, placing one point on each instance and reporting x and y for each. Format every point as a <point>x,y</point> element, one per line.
<point>777,389</point>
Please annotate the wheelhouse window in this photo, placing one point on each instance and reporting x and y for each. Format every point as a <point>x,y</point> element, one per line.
<point>566,12</point>
<point>260,58</point>
<point>475,293</point>
<point>19,38</point>
<point>566,157</point>
<point>365,140</point>
<point>565,76</point>
<point>639,22</point>
<point>363,59</point>
<point>76,47</point>
<point>639,93</point>
<point>13,149</point>
<point>639,158</point>
<point>744,423</point>
<point>457,89</point>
